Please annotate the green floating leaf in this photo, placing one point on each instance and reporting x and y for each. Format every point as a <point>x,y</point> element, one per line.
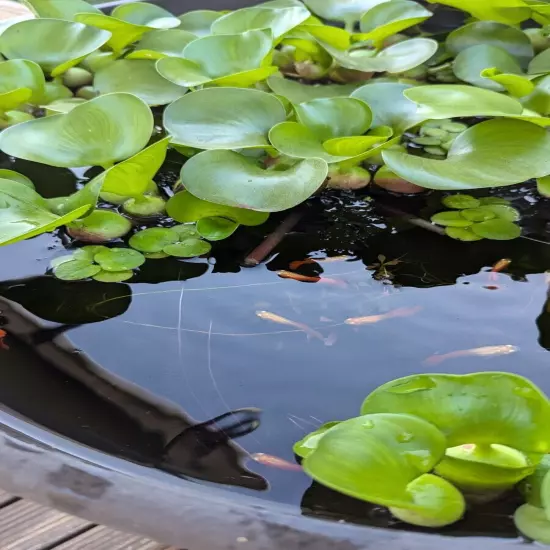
<point>389,18</point>
<point>221,60</point>
<point>484,408</point>
<point>493,153</point>
<point>490,33</point>
<point>60,9</point>
<point>540,64</point>
<point>279,20</point>
<point>12,175</point>
<point>185,208</point>
<point>129,22</point>
<point>460,201</point>
<point>162,43</point>
<point>480,214</point>
<point>297,93</point>
<point>396,58</point>
<point>310,442</point>
<point>56,45</point>
<point>470,63</point>
<point>385,459</point>
<point>199,22</point>
<point>188,248</point>
<point>25,214</point>
<point>85,253</point>
<point>153,240</point>
<point>223,118</point>
<point>489,201</point>
<point>229,178</point>
<point>510,12</point>
<point>76,270</point>
<point>533,522</point>
<point>389,106</point>
<point>113,276</point>
<point>543,186</point>
<point>100,226</point>
<point>119,259</point>
<point>497,230</point>
<point>451,219</point>
<point>216,228</point>
<point>504,212</point>
<point>140,78</point>
<point>85,197</point>
<point>118,126</point>
<point>531,488</point>
<point>21,81</point>
<point>336,10</point>
<point>462,234</point>
<point>515,84</point>
<point>63,106</point>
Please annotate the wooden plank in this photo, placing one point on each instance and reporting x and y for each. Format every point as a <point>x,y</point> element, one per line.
<point>6,498</point>
<point>103,538</point>
<point>28,526</point>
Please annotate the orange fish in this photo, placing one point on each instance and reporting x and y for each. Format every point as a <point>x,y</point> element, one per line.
<point>275,462</point>
<point>307,279</point>
<point>3,344</point>
<point>501,265</point>
<point>371,319</point>
<point>299,263</point>
<point>268,316</point>
<point>487,351</point>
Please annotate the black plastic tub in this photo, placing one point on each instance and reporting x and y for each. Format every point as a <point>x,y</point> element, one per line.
<point>117,399</point>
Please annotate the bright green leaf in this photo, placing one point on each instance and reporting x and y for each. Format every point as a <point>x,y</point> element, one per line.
<point>460,201</point>
<point>348,11</point>
<point>480,214</point>
<point>153,240</point>
<point>63,106</point>
<point>229,178</point>
<point>540,64</point>
<point>504,11</point>
<point>118,126</point>
<point>515,84</point>
<point>223,118</point>
<point>56,45</point>
<point>533,522</point>
<point>543,186</point>
<point>76,270</point>
<point>504,212</point>
<point>310,442</point>
<point>199,22</point>
<point>12,175</point>
<point>162,43</point>
<point>216,228</point>
<point>119,259</point>
<point>462,234</point>
<point>100,226</point>
<point>113,276</point>
<point>60,9</point>
<point>497,230</point>
<point>21,81</point>
<point>188,248</point>
<point>451,219</point>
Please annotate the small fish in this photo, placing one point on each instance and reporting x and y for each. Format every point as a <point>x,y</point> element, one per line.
<point>275,462</point>
<point>371,319</point>
<point>501,265</point>
<point>307,279</point>
<point>266,315</point>
<point>299,263</point>
<point>3,344</point>
<point>487,351</point>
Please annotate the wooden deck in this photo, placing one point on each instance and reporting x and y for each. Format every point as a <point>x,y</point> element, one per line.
<point>25,525</point>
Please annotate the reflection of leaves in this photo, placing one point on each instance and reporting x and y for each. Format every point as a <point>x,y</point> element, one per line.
<point>69,302</point>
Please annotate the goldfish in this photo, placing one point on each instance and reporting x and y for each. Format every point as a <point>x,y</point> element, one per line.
<point>275,462</point>
<point>487,351</point>
<point>371,319</point>
<point>3,344</point>
<point>266,315</point>
<point>299,263</point>
<point>501,265</point>
<point>307,279</point>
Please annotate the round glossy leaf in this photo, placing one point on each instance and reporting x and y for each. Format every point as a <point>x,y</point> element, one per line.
<point>488,201</point>
<point>389,105</point>
<point>20,78</point>
<point>118,126</point>
<point>56,45</point>
<point>100,226</point>
<point>223,118</point>
<point>12,175</point>
<point>113,276</point>
<point>397,58</point>
<point>484,408</point>
<point>347,11</point>
<point>216,228</point>
<point>540,63</point>
<point>460,201</point>
<point>296,92</point>
<point>60,9</point>
<point>480,214</point>
<point>531,488</point>
<point>310,442</point>
<point>389,18</point>
<point>189,248</point>
<point>451,219</point>
<point>119,259</point>
<point>145,14</point>
<point>470,63</point>
<point>76,270</point>
<point>515,84</point>
<point>497,230</point>
<point>185,208</point>
<point>199,22</point>
<point>491,33</point>
<point>229,178</point>
<point>63,106</point>
<point>87,252</point>
<point>140,78</point>
<point>279,20</point>
<point>162,43</point>
<point>462,234</point>
<point>353,146</point>
<point>490,154</point>
<point>335,117</point>
<point>533,523</point>
<point>153,240</point>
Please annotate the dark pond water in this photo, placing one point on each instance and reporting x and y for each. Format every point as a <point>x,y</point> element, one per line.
<point>139,370</point>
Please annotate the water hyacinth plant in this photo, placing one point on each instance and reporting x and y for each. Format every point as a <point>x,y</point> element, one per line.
<point>446,440</point>
<point>267,106</point>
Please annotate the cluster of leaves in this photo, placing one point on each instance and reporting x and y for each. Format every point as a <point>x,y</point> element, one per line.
<point>257,136</point>
<point>472,219</point>
<point>426,444</point>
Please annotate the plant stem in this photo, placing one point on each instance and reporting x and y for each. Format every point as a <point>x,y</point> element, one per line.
<point>413,220</point>
<point>259,254</point>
